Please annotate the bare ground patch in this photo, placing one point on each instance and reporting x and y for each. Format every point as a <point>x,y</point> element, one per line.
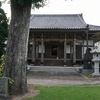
<point>31,92</point>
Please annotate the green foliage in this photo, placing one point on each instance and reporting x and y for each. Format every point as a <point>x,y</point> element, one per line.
<point>10,81</point>
<point>35,3</point>
<point>67,93</point>
<point>3,30</point>
<point>2,66</point>
<point>38,3</point>
<point>21,2</point>
<point>96,37</point>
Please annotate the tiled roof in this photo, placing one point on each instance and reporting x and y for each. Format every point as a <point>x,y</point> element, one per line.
<point>60,21</point>
<point>94,28</point>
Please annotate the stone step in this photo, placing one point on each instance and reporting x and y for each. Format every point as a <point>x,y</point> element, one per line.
<point>51,62</point>
<point>54,69</point>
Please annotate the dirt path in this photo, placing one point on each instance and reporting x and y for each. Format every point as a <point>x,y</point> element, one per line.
<point>61,79</point>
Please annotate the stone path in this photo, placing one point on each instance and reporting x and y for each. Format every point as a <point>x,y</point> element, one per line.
<point>58,79</point>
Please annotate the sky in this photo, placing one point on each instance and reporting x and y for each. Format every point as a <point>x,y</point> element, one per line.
<point>89,8</point>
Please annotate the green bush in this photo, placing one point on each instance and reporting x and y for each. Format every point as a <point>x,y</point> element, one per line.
<point>10,81</point>
<point>2,66</point>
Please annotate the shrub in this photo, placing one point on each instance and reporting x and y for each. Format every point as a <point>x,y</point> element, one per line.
<point>2,66</point>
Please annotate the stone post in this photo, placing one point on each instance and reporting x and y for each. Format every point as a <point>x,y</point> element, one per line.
<point>4,89</point>
<point>96,68</point>
<point>96,60</point>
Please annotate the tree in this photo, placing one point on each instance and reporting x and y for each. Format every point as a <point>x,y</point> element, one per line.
<point>96,37</point>
<point>3,30</point>
<point>16,53</point>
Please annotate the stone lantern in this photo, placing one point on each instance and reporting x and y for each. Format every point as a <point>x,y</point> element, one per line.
<point>96,59</point>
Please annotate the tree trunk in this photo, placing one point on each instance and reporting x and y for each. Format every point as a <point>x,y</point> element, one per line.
<point>16,53</point>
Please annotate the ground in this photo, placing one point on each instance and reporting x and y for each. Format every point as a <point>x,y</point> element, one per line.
<point>31,92</point>
<point>56,79</point>
<point>51,79</point>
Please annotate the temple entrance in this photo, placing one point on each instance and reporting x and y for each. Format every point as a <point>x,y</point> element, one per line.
<point>54,50</point>
<point>54,53</point>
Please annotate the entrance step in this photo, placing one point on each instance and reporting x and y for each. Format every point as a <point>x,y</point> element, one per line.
<point>53,62</point>
<point>54,69</point>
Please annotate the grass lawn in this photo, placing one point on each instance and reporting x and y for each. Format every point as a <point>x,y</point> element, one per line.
<point>67,93</point>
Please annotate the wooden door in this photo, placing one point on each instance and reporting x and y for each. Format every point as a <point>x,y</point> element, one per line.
<point>78,51</point>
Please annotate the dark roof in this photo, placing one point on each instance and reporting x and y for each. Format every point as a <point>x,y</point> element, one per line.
<point>60,21</point>
<point>94,28</point>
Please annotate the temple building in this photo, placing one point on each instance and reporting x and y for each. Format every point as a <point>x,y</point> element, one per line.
<point>59,40</point>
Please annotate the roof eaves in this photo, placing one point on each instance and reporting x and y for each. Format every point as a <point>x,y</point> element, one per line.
<point>61,28</point>
<point>94,28</point>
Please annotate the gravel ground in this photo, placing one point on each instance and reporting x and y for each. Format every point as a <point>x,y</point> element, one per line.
<point>58,79</point>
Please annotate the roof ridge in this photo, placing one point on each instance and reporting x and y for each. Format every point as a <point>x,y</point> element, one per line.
<point>55,14</point>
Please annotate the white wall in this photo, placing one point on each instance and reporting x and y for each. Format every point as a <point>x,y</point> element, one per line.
<point>90,42</point>
<point>68,49</point>
<point>40,48</point>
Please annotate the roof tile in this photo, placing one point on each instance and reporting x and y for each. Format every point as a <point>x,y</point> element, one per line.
<point>60,21</point>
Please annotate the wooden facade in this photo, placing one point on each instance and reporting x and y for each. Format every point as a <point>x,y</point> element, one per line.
<point>59,46</point>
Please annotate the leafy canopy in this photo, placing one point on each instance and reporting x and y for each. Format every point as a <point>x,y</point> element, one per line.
<point>3,29</point>
<point>35,3</point>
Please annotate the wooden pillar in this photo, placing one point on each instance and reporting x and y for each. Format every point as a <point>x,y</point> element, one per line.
<point>33,51</point>
<point>65,51</point>
<point>74,50</point>
<point>87,38</point>
<point>83,47</point>
<point>37,49</point>
<point>42,48</point>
